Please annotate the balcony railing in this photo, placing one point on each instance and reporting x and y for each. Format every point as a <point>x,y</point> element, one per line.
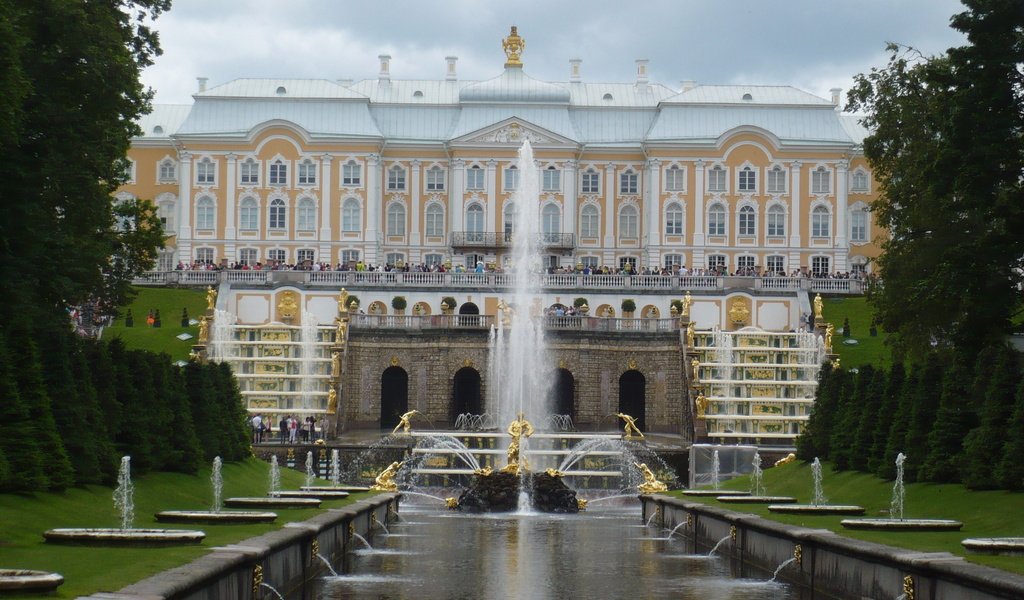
<point>491,239</point>
<point>574,323</point>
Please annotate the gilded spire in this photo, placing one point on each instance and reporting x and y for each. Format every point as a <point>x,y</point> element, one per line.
<point>514,46</point>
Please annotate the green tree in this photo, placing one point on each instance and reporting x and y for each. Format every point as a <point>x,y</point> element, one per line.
<point>1010,470</point>
<point>183,451</point>
<point>205,410</point>
<point>950,184</point>
<point>899,424</point>
<point>863,438</point>
<point>883,419</point>
<point>847,417</point>
<point>983,446</point>
<point>925,405</point>
<point>23,453</point>
<point>814,441</point>
<point>235,427</point>
<point>956,416</point>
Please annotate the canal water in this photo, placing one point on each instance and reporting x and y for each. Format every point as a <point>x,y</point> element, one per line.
<point>605,552</point>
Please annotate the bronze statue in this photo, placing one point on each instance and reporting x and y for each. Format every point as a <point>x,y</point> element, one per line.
<point>702,405</point>
<point>204,330</point>
<point>517,429</point>
<point>650,484</point>
<point>631,430</point>
<point>211,298</point>
<point>403,422</point>
<point>385,481</point>
<point>332,401</point>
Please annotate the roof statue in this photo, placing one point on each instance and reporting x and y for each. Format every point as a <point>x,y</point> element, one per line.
<point>514,46</point>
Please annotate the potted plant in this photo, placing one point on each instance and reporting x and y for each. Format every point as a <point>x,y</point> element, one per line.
<point>398,303</point>
<point>628,306</point>
<point>580,302</point>
<point>676,304</point>
<point>353,303</point>
<point>448,304</point>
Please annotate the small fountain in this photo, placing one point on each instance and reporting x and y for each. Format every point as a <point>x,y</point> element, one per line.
<point>896,520</point>
<point>797,558</point>
<point>274,498</point>
<point>819,505</point>
<point>715,482</point>
<point>215,515</point>
<point>312,491</point>
<point>127,534</point>
<point>757,490</point>
<point>27,581</point>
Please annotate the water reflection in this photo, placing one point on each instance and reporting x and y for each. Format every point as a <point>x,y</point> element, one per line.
<point>597,554</point>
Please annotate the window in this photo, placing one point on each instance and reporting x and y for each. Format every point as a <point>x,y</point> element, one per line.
<point>435,179</point>
<point>351,220</point>
<point>748,221</point>
<point>859,226</point>
<point>204,255</point>
<point>168,170</point>
<point>475,222</point>
<point>204,213</point>
<point>820,265</point>
<point>305,215</point>
<point>589,262</point>
<point>716,179</point>
<point>776,265</point>
<point>277,255</point>
<point>821,182</point>
<point>776,221</point>
<point>277,214</point>
<point>395,258</point>
<point>590,222</point>
<point>628,182</point>
<point>351,173</point>
<point>674,179</point>
<point>628,260</point>
<point>552,180</point>
<point>249,215</point>
<point>475,178</point>
<point>396,178</point>
<point>748,180</point>
<point>551,222</point>
<point>859,182</point>
<point>435,220</point>
<point>591,182</point>
<point>165,212</point>
<point>433,259</point>
<point>716,261</point>
<point>821,222</point>
<point>248,256</point>
<point>278,173</point>
<point>511,214</point>
<point>716,219</point>
<point>776,180</point>
<point>250,172</point>
<point>349,256</point>
<point>673,260</point>
<point>674,219</point>
<point>628,222</point>
<point>205,172</point>
<point>511,178</point>
<point>860,265</point>
<point>307,172</point>
<point>745,262</point>
<point>396,219</point>
<point>305,254</point>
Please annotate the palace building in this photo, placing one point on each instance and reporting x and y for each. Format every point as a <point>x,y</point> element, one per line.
<point>422,171</point>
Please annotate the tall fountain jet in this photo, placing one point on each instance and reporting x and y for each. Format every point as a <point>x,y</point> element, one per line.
<point>520,368</point>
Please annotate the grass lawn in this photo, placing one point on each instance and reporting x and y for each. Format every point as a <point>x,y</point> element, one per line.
<point>88,570</point>
<point>169,301</point>
<point>868,350</point>
<point>984,514</point>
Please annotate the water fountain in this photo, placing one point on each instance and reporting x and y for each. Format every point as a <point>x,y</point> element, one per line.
<point>126,534</point>
<point>215,514</point>
<point>29,581</point>
<point>896,520</point>
<point>274,498</point>
<point>715,483</point>
<point>819,505</point>
<point>308,343</point>
<point>758,493</point>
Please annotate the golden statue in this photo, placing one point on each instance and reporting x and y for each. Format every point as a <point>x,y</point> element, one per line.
<point>211,298</point>
<point>691,335</point>
<point>650,485</point>
<point>288,306</point>
<point>702,405</point>
<point>335,364</point>
<point>631,430</point>
<point>518,429</point>
<point>204,330</point>
<point>553,472</point>
<point>785,460</point>
<point>451,503</point>
<point>483,471</point>
<point>835,363</point>
<point>353,306</point>
<point>687,301</point>
<point>830,329</point>
<point>696,369</point>
<point>332,401</point>
<point>385,481</point>
<point>581,504</point>
<point>505,313</point>
<point>343,301</point>
<point>403,422</point>
<point>819,307</point>
<point>514,46</point>
<point>339,331</point>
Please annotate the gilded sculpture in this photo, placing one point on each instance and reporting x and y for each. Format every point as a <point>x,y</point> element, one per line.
<point>343,301</point>
<point>819,307</point>
<point>332,401</point>
<point>631,430</point>
<point>204,330</point>
<point>404,422</point>
<point>514,46</point>
<point>738,311</point>
<point>650,484</point>
<point>211,298</point>
<point>687,301</point>
<point>288,306</point>
<point>830,329</point>
<point>339,331</point>
<point>385,481</point>
<point>696,369</point>
<point>691,334</point>
<point>702,405</point>
<point>335,365</point>
<point>518,429</point>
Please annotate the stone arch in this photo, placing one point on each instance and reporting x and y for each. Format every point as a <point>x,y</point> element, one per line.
<point>605,310</point>
<point>632,397</point>
<point>469,308</point>
<point>466,393</point>
<point>394,396</point>
<point>650,312</point>
<point>563,393</point>
<point>377,308</point>
<point>421,309</point>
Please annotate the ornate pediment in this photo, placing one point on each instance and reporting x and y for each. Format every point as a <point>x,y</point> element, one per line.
<point>514,132</point>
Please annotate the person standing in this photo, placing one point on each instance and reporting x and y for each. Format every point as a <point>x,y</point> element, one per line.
<point>293,430</point>
<point>282,429</point>
<point>257,429</point>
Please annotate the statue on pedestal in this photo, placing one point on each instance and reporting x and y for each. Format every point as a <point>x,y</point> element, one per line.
<point>650,485</point>
<point>819,307</point>
<point>211,298</point>
<point>385,481</point>
<point>332,401</point>
<point>687,301</point>
<point>631,430</point>
<point>403,422</point>
<point>517,429</point>
<point>702,405</point>
<point>204,330</point>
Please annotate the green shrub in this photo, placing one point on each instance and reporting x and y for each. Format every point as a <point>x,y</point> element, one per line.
<point>628,305</point>
<point>398,303</point>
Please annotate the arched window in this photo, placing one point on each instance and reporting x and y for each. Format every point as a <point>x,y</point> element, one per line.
<point>748,221</point>
<point>305,215</point>
<point>674,219</point>
<point>859,182</point>
<point>396,219</point>
<point>511,177</point>
<point>716,219</point>
<point>165,212</point>
<point>776,221</point>
<point>859,226</point>
<point>551,222</point>
<point>590,222</point>
<point>351,220</point>
<point>628,226</point>
<point>821,222</point>
<point>249,215</point>
<point>475,222</point>
<point>205,213</point>
<point>277,214</point>
<point>435,220</point>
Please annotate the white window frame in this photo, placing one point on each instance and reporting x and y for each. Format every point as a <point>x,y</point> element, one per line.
<point>719,225</point>
<point>433,259</point>
<point>746,261</point>
<point>434,220</point>
<point>777,178</point>
<point>349,256</point>
<point>551,180</point>
<point>351,174</point>
<point>475,177</point>
<point>717,260</point>
<point>435,179</point>
<point>396,178</point>
<point>717,179</point>
<point>278,255</point>
<point>351,216</point>
<point>551,221</point>
<point>859,214</point>
<point>672,260</point>
<point>206,213</point>
<point>675,179</point>
<point>821,265</point>
<point>821,181</point>
<point>277,215</point>
<point>746,221</point>
<point>304,254</point>
<point>590,261</point>
<point>206,171</point>
<point>277,173</point>
<point>248,256</point>
<point>396,216</point>
<point>167,170</point>
<point>629,223</point>
<point>775,263</point>
<point>674,218</point>
<point>510,178</point>
<point>305,214</point>
<point>249,173</point>
<point>475,219</point>
<point>307,173</point>
<point>821,222</point>
<point>629,182</point>
<point>746,180</point>
<point>590,182</point>
<point>775,221</point>
<point>204,254</point>
<point>590,222</point>
<point>860,182</point>
<point>249,214</point>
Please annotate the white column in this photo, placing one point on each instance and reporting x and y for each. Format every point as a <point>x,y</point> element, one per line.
<point>842,201</point>
<point>609,208</point>
<point>796,215</point>
<point>697,260</point>
<point>414,205</point>
<point>652,210</point>
<point>569,197</point>
<point>458,195</point>
<point>230,209</point>
<point>490,184</point>
<point>374,164</point>
<point>185,208</point>
<point>326,202</point>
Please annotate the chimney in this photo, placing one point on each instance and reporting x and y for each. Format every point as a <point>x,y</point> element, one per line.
<point>641,71</point>
<point>574,69</point>
<point>202,83</point>
<point>450,73</point>
<point>836,94</point>
<point>687,85</point>
<point>385,67</point>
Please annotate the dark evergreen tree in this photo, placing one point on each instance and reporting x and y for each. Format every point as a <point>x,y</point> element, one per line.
<point>104,381</point>
<point>1010,470</point>
<point>237,441</point>
<point>814,440</point>
<point>863,437</point>
<point>205,412</point>
<point>183,451</point>
<point>956,416</point>
<point>93,414</point>
<point>883,420</point>
<point>23,453</point>
<point>983,447</point>
<point>925,405</point>
<point>900,423</point>
<point>131,437</point>
<point>847,418</point>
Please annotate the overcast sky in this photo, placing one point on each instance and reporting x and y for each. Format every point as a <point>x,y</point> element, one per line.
<point>814,45</point>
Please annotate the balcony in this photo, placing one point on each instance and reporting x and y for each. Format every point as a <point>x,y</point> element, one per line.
<point>473,240</point>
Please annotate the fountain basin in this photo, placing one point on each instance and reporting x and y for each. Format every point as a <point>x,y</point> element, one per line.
<point>321,494</point>
<point>226,517</point>
<point>756,499</point>
<point>816,509</point>
<point>903,524</point>
<point>124,537</point>
<point>1010,546</point>
<point>352,489</point>
<point>271,502</point>
<point>714,493</point>
<point>23,580</point>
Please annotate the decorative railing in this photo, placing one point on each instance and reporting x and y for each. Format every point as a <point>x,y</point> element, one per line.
<point>491,239</point>
<point>574,323</point>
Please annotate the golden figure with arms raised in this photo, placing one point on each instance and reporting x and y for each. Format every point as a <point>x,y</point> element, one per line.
<point>518,429</point>
<point>631,430</point>
<point>403,422</point>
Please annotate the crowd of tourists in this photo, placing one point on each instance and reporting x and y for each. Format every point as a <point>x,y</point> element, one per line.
<point>290,430</point>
